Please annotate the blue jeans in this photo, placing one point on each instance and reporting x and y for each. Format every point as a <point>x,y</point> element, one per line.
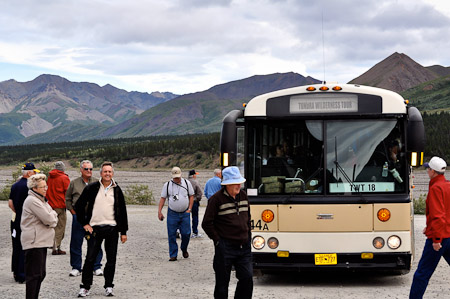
<point>194,213</point>
<point>226,255</point>
<point>178,221</point>
<point>427,264</point>
<point>76,243</point>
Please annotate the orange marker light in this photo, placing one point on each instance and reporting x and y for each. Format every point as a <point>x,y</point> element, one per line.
<point>310,88</point>
<point>384,215</point>
<point>324,88</point>
<point>337,88</point>
<point>267,216</point>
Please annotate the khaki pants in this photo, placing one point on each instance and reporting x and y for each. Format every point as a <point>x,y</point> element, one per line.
<point>60,227</point>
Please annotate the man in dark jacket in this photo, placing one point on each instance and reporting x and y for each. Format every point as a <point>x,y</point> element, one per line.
<point>102,212</point>
<point>437,229</point>
<point>227,223</point>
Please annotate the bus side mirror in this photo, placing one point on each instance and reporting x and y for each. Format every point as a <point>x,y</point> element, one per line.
<point>415,137</point>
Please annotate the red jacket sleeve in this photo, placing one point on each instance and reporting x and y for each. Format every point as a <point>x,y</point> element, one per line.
<point>436,215</point>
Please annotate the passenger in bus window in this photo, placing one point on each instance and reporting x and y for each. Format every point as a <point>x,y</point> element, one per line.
<point>437,227</point>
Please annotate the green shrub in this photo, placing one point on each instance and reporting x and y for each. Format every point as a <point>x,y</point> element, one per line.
<point>138,195</point>
<point>419,204</point>
<point>6,190</point>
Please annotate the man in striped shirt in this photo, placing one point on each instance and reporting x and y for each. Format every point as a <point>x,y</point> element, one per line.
<point>227,223</point>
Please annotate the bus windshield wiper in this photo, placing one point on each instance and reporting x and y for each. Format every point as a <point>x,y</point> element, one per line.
<point>339,167</point>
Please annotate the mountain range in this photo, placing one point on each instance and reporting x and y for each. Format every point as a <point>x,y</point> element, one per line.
<point>51,108</point>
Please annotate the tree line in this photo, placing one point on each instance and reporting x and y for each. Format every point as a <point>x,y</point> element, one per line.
<point>111,149</point>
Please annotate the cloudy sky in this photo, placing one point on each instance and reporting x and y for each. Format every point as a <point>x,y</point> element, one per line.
<point>185,46</point>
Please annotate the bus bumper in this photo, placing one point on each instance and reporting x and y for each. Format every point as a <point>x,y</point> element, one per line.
<point>303,261</point>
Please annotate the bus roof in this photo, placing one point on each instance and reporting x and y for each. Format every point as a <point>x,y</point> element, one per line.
<point>391,102</point>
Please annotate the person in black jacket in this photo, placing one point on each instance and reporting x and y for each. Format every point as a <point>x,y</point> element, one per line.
<point>102,212</point>
<point>227,223</point>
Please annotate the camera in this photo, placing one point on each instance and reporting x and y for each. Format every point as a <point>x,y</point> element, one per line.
<point>175,197</point>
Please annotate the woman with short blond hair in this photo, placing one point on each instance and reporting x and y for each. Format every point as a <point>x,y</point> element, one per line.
<point>37,223</point>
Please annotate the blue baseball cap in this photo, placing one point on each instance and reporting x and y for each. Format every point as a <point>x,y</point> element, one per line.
<point>29,166</point>
<point>231,175</point>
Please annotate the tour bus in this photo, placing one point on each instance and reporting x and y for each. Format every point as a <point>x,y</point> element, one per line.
<point>328,176</point>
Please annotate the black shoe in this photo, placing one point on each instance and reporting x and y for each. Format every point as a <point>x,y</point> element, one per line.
<point>185,254</point>
<point>178,235</point>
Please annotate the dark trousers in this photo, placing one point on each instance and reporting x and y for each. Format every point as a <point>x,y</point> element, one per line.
<point>194,213</point>
<point>35,263</point>
<point>427,264</point>
<point>226,255</point>
<point>76,245</point>
<point>110,235</point>
<point>18,258</point>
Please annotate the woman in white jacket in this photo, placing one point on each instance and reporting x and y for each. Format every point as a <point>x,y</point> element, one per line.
<point>37,223</point>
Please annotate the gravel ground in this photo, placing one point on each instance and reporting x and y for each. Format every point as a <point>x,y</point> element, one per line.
<point>143,270</point>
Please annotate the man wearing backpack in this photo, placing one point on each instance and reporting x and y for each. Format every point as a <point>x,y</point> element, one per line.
<point>180,195</point>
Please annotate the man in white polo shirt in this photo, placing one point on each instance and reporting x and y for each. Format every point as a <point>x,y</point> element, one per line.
<point>102,212</point>
<point>180,195</point>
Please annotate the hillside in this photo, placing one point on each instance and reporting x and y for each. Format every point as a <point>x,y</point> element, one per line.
<point>431,96</point>
<point>50,102</point>
<point>398,72</point>
<point>200,112</point>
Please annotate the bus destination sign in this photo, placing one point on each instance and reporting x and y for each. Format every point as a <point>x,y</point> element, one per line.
<point>324,103</point>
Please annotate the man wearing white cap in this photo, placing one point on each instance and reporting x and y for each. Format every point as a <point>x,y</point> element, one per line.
<point>437,229</point>
<point>180,195</point>
<point>227,223</point>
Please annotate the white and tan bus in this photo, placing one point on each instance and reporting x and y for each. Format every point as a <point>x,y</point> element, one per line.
<point>328,171</point>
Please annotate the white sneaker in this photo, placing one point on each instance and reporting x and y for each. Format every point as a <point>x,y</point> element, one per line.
<point>109,292</point>
<point>74,272</point>
<point>83,292</point>
<point>199,235</point>
<point>98,272</point>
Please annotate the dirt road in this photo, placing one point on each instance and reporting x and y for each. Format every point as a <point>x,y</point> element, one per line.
<point>143,270</point>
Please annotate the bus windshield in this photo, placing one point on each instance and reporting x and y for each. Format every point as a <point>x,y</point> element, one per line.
<point>332,157</point>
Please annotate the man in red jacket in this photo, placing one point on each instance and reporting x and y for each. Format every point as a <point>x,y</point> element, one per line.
<point>58,183</point>
<point>437,229</point>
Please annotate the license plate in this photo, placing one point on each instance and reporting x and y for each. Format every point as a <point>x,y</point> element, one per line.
<point>325,259</point>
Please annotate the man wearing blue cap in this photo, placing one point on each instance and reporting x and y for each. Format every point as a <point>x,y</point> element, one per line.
<point>227,223</point>
<point>19,192</point>
<point>437,229</point>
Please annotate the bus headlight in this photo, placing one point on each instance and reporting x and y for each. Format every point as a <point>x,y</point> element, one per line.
<point>394,242</point>
<point>258,242</point>
<point>272,242</point>
<point>378,242</point>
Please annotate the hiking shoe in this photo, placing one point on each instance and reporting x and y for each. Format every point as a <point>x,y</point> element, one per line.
<point>74,272</point>
<point>185,254</point>
<point>58,252</point>
<point>109,292</point>
<point>83,292</point>
<point>98,272</point>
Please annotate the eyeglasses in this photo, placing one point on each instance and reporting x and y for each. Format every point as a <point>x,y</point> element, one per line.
<point>87,169</point>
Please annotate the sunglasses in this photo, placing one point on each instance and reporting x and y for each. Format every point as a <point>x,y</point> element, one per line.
<point>87,169</point>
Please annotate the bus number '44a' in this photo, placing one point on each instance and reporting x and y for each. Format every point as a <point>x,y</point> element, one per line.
<point>258,225</point>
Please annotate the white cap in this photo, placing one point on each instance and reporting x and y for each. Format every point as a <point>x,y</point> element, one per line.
<point>437,164</point>
<point>176,172</point>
